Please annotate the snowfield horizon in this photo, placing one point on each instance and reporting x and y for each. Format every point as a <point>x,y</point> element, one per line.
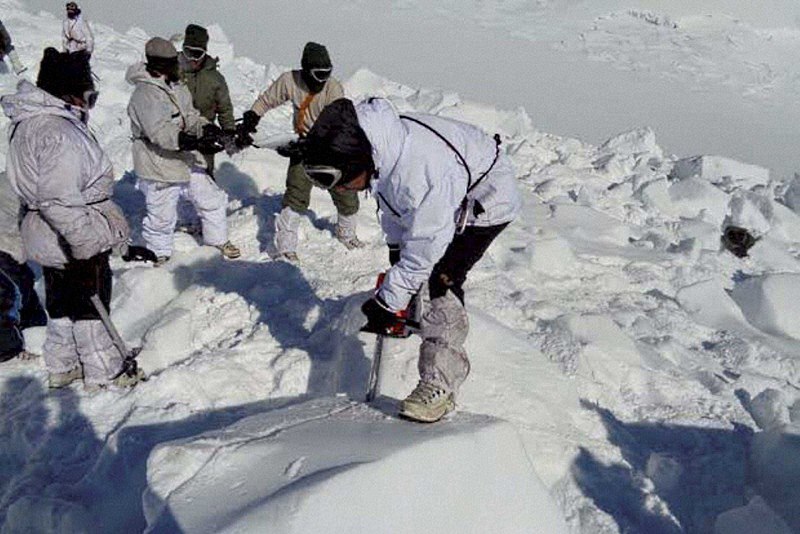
<point>629,374</point>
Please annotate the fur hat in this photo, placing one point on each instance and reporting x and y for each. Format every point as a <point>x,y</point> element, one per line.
<point>62,73</point>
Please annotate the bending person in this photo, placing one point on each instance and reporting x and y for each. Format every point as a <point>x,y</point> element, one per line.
<point>445,191</point>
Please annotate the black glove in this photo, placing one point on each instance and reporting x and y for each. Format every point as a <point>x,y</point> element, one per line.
<point>228,140</point>
<point>379,317</point>
<point>249,123</point>
<point>211,142</point>
<point>135,253</point>
<point>187,142</point>
<point>394,254</point>
<point>293,150</point>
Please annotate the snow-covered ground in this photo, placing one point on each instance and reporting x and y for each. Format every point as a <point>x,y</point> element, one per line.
<point>647,378</point>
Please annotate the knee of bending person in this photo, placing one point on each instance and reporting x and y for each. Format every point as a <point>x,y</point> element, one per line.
<point>446,321</point>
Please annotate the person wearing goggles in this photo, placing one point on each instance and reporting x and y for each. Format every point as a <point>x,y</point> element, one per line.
<point>71,224</point>
<point>210,94</point>
<point>445,191</point>
<point>168,133</point>
<point>76,35</point>
<point>309,89</point>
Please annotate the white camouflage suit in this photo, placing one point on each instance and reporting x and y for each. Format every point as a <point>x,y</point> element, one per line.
<point>420,187</point>
<point>65,180</point>
<point>159,112</point>
<point>76,36</point>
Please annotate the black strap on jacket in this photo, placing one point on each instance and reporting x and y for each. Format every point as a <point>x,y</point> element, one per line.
<point>470,185</point>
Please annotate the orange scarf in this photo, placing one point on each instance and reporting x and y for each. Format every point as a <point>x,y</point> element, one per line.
<point>301,114</point>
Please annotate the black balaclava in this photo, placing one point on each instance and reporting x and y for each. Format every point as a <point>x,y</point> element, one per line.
<point>73,10</point>
<point>336,139</point>
<point>315,56</point>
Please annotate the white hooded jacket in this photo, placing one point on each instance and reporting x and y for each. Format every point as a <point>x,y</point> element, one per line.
<point>76,35</point>
<point>63,178</point>
<point>159,112</point>
<point>421,184</point>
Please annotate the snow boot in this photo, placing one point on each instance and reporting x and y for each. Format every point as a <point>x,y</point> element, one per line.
<point>16,64</point>
<point>229,250</point>
<point>346,232</point>
<point>61,380</point>
<point>427,403</point>
<point>126,381</point>
<point>161,260</point>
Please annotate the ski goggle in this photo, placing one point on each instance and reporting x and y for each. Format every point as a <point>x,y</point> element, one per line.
<point>323,176</point>
<point>71,6</point>
<point>90,97</point>
<point>321,75</point>
<point>193,53</point>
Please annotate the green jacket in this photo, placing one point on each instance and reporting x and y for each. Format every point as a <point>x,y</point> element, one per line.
<point>210,94</point>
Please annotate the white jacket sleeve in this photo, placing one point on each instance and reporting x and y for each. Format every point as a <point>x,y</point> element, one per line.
<point>427,229</point>
<point>60,203</point>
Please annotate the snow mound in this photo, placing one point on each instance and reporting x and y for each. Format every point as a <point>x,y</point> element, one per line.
<point>371,473</point>
<point>771,302</point>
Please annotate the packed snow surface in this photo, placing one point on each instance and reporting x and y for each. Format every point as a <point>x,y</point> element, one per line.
<point>646,376</point>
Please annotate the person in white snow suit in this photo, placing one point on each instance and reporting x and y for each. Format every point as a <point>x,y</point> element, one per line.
<point>7,49</point>
<point>445,190</point>
<point>169,135</point>
<point>64,181</point>
<point>309,90</point>
<point>76,35</point>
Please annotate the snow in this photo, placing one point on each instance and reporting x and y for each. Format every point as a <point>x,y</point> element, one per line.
<point>268,469</point>
<point>647,377</point>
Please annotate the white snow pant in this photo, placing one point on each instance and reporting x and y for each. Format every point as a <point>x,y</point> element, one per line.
<point>286,226</point>
<point>161,199</point>
<point>443,360</point>
<point>87,343</point>
<point>16,64</point>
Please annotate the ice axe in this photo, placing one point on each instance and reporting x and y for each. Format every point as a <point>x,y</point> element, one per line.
<point>130,366</point>
<point>402,328</point>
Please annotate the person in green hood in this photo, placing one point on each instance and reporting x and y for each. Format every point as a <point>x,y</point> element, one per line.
<point>209,89</point>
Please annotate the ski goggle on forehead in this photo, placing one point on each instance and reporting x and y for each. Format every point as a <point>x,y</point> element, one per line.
<point>321,75</point>
<point>193,53</point>
<point>323,176</point>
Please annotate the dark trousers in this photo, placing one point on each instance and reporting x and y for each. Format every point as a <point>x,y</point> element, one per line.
<point>11,342</point>
<point>32,313</point>
<point>68,290</point>
<point>298,193</point>
<point>460,257</point>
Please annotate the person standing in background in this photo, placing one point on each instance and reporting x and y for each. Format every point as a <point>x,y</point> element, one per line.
<point>209,89</point>
<point>76,35</point>
<point>309,90</point>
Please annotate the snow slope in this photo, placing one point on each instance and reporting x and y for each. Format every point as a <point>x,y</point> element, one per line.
<point>628,354</point>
